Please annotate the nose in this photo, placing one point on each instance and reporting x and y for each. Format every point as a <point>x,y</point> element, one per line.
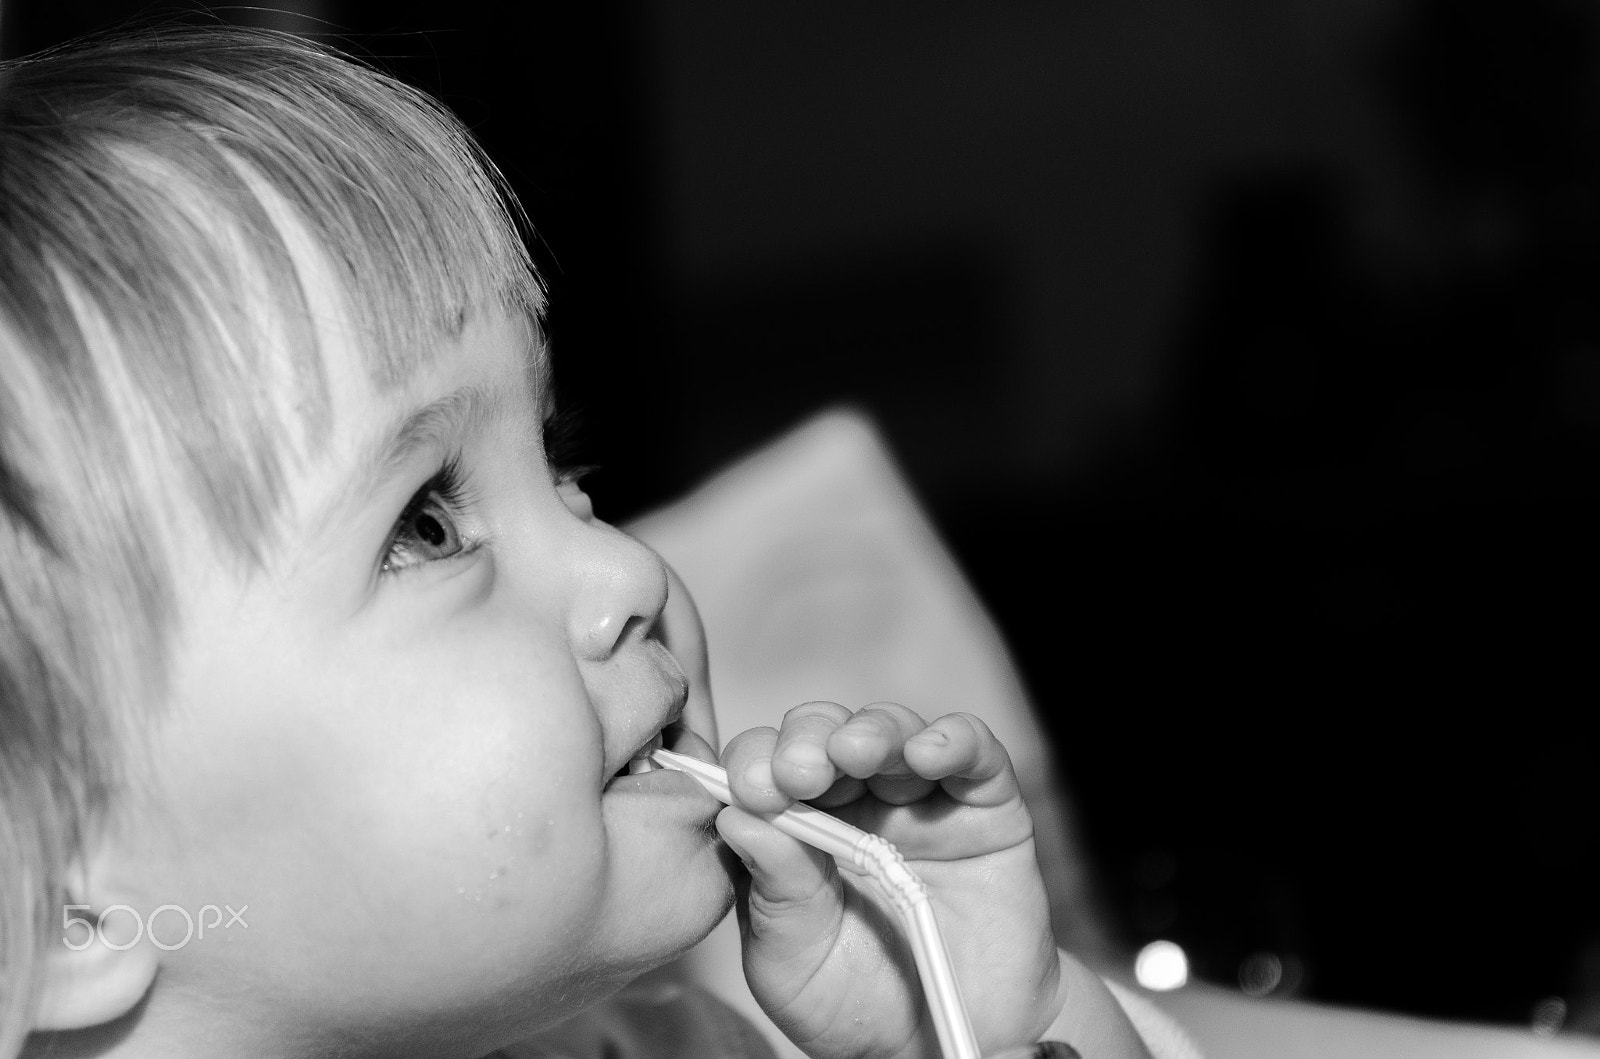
<point>622,588</point>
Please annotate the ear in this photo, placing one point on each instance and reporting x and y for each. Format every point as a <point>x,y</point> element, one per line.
<point>96,967</point>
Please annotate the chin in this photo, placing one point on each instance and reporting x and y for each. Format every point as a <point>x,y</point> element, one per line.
<point>680,929</point>
<point>726,893</point>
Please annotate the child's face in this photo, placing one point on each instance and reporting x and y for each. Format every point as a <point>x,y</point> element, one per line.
<point>396,743</point>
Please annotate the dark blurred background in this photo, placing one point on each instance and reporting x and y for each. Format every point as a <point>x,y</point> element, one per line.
<point>1245,350</point>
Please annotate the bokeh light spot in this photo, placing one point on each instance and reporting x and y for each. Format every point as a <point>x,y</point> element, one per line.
<point>1161,965</point>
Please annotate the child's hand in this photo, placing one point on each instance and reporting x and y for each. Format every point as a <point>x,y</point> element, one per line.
<point>825,954</point>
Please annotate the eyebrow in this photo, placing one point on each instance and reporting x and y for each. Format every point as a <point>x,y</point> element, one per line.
<point>431,426</point>
<point>450,416</point>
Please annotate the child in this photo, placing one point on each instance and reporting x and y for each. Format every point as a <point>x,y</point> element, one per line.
<point>319,678</point>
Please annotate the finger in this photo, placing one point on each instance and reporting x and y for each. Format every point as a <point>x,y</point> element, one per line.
<point>748,759</point>
<point>961,752</point>
<point>795,900</point>
<point>870,746</point>
<point>800,764</point>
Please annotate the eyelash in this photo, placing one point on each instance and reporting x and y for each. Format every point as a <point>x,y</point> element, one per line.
<point>563,441</point>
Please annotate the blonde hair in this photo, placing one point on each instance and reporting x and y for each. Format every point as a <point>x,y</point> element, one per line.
<point>138,174</point>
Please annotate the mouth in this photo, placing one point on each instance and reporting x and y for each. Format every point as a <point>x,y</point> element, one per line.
<point>640,762</point>
<point>669,737</point>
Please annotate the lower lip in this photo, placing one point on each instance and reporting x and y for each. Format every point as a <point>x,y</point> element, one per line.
<point>663,783</point>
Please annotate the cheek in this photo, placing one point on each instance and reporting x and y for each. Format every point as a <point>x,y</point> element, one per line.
<point>479,800</point>
<point>447,781</point>
<point>466,747</point>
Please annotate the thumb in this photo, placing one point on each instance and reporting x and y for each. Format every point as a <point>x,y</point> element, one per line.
<point>794,908</point>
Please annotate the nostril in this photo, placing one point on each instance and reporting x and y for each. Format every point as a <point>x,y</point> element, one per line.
<point>620,590</point>
<point>636,627</point>
<point>603,638</point>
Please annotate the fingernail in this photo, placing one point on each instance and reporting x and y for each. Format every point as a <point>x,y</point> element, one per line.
<point>805,756</point>
<point>933,736</point>
<point>758,774</point>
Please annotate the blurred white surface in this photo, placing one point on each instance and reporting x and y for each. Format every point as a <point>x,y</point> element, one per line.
<point>819,577</point>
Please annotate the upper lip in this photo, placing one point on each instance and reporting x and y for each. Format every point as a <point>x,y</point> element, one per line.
<point>671,713</point>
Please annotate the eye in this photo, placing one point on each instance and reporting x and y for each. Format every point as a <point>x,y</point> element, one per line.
<point>428,530</point>
<point>564,447</point>
<point>563,451</point>
<point>577,501</point>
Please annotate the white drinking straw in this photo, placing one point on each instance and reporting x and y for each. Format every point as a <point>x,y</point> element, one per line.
<point>878,859</point>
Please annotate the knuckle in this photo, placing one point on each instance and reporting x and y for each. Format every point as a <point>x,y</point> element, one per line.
<point>978,726</point>
<point>895,712</point>
<point>751,741</point>
<point>830,713</point>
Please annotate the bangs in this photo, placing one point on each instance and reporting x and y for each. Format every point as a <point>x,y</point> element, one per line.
<point>145,183</point>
